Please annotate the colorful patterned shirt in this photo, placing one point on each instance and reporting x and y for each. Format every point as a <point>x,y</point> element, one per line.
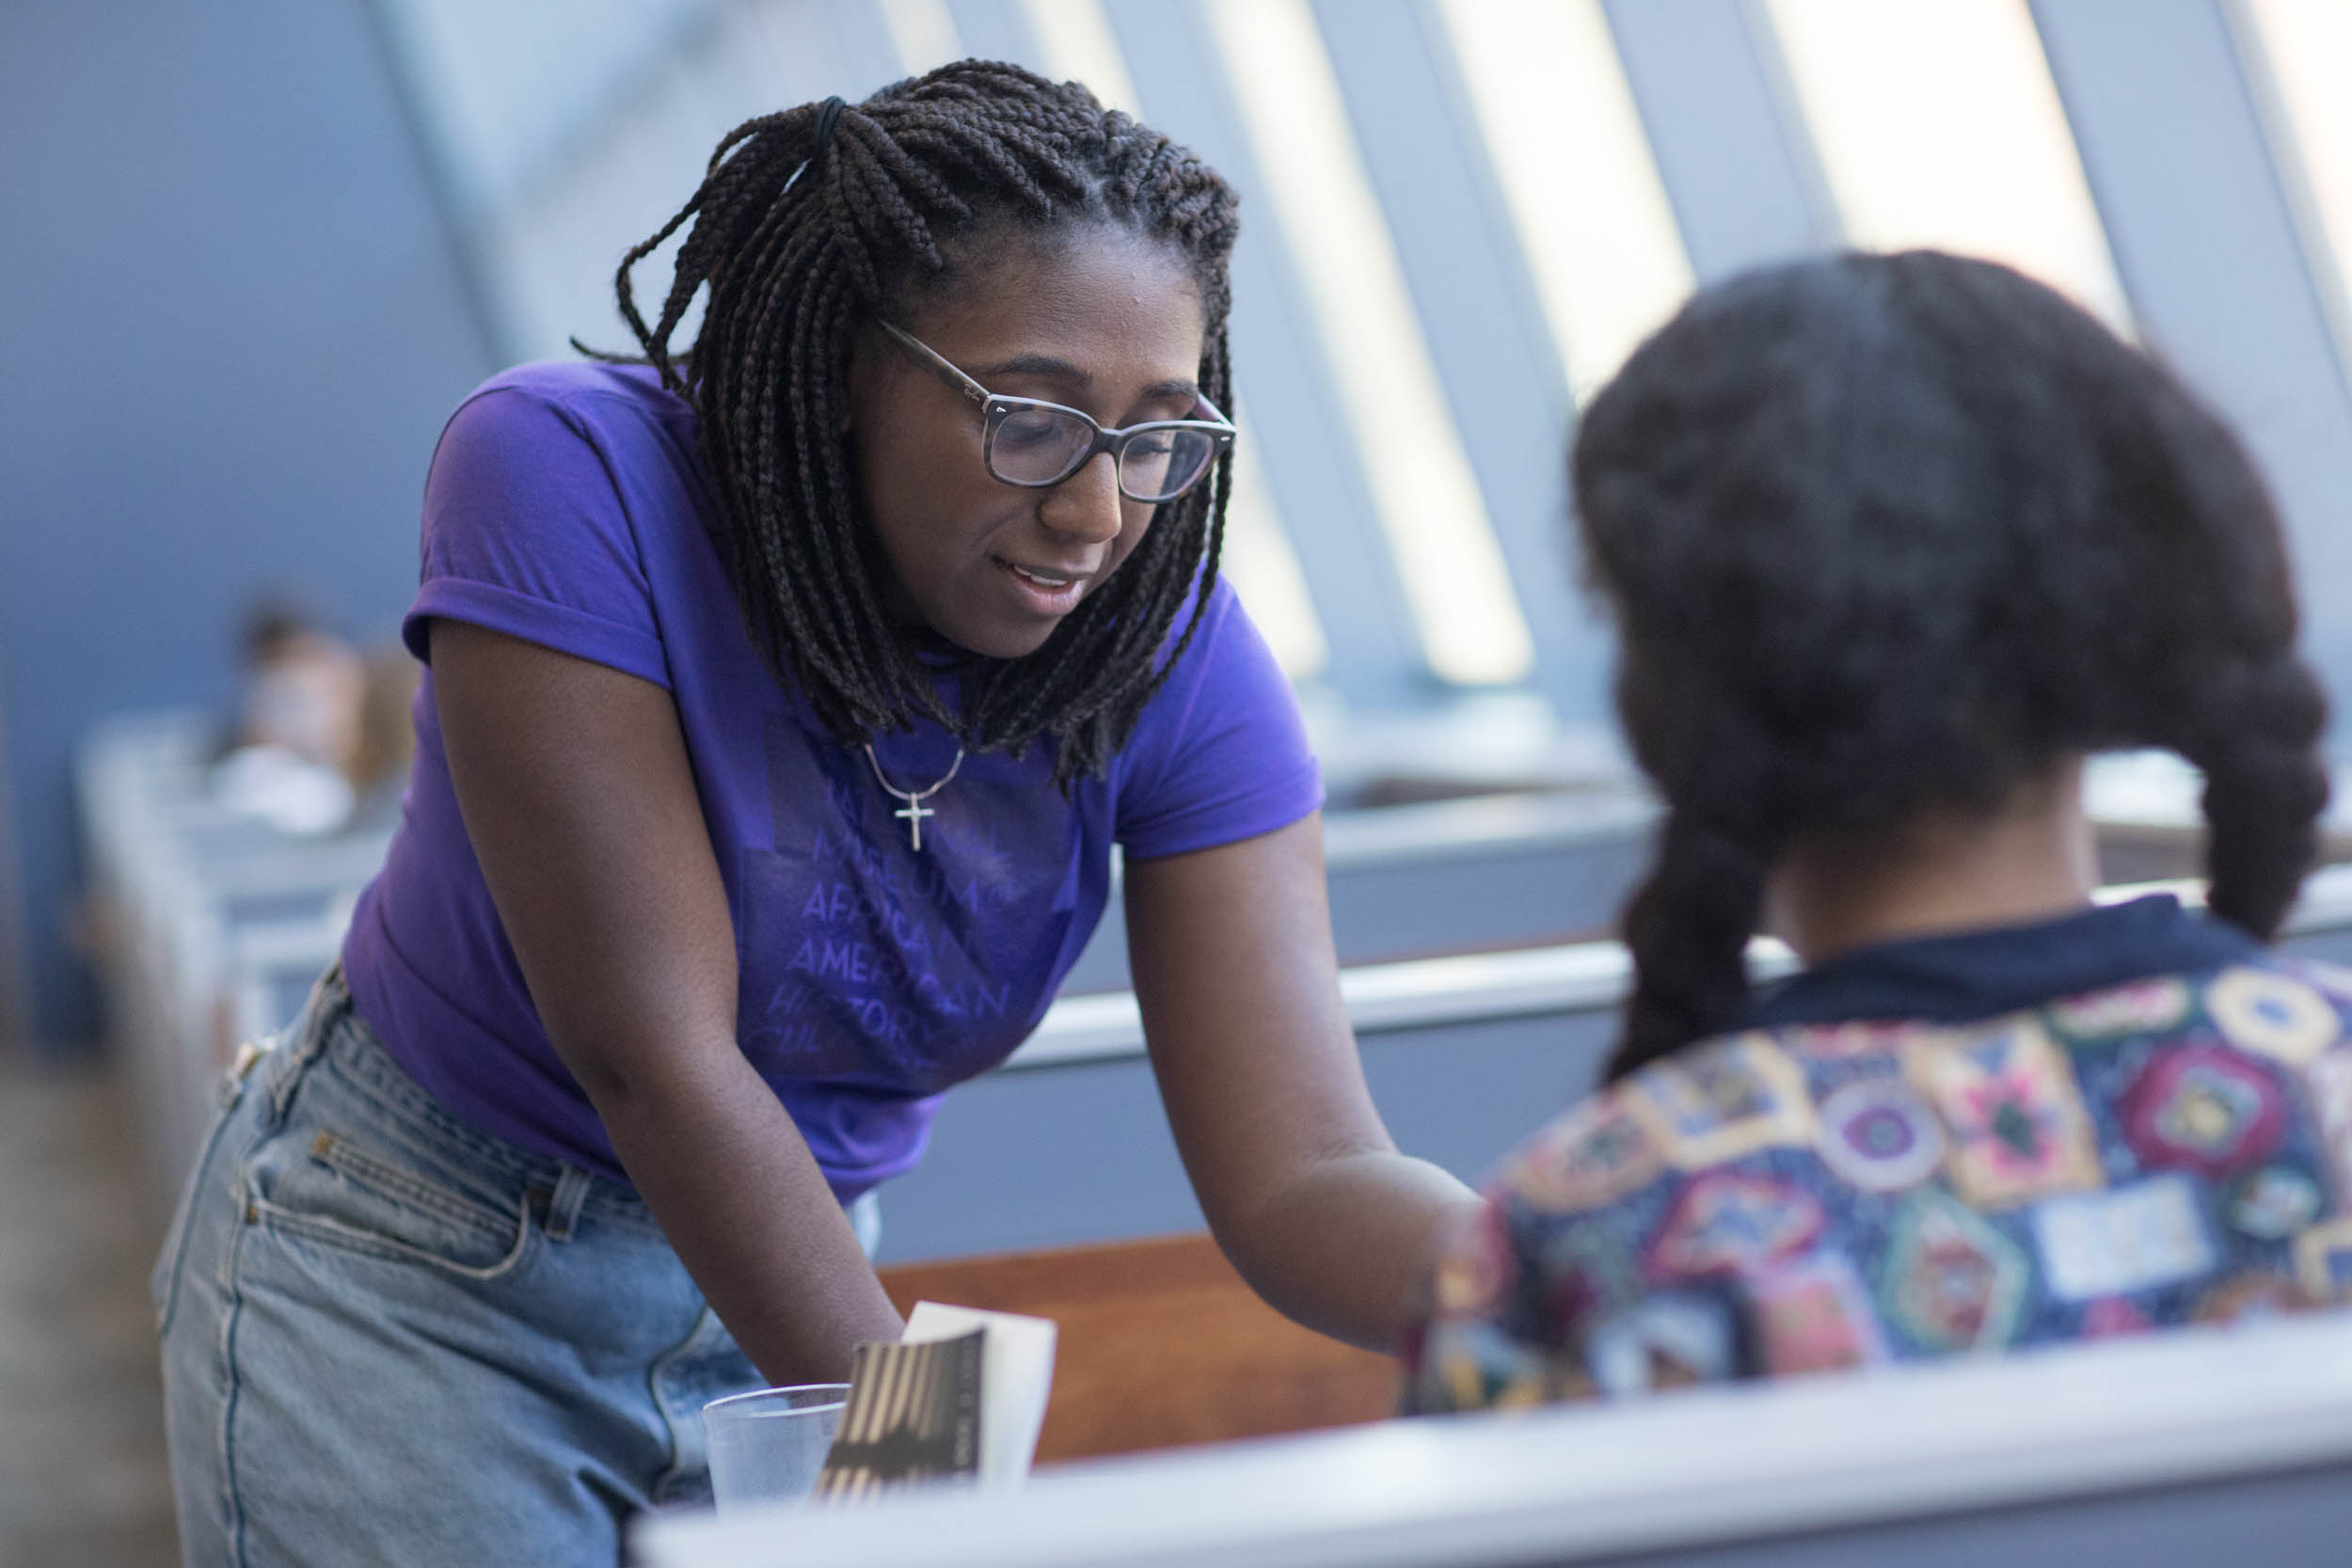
<point>1828,1193</point>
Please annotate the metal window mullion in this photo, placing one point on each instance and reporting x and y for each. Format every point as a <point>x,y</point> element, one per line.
<point>1480,316</point>
<point>1738,161</point>
<point>997,30</point>
<point>861,36</point>
<point>1312,466</point>
<point>809,53</point>
<point>495,314</point>
<point>2205,239</point>
<point>2301,172</point>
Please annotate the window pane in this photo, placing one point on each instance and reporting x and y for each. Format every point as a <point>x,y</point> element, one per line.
<point>1429,505</point>
<point>1938,124</point>
<point>2306,54</point>
<point>1568,145</point>
<point>511,90</point>
<point>1265,568</point>
<point>924,33</point>
<point>1079,46</point>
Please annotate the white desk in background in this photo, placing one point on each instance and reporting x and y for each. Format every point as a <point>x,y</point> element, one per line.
<point>2197,1446</point>
<point>1465,1054</point>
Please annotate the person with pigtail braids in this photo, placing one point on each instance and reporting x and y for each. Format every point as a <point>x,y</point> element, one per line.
<point>787,692</point>
<point>1893,544</point>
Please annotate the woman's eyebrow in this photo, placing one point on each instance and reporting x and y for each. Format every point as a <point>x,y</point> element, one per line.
<point>1062,369</point>
<point>1033,364</point>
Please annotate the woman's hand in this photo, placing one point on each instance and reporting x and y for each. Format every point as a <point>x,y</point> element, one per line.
<point>578,795</point>
<point>1239,985</point>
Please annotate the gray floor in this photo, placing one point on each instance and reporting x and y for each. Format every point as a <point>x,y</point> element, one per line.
<point>82,1476</point>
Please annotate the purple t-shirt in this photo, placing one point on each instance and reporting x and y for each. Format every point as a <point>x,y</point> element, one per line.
<point>566,506</point>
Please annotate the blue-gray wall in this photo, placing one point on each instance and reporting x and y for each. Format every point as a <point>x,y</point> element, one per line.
<point>234,326</point>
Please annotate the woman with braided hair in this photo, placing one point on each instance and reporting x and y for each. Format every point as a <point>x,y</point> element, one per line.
<point>1893,544</point>
<point>786,695</point>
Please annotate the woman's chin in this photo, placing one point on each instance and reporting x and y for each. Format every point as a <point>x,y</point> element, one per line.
<point>993,641</point>
<point>1016,632</point>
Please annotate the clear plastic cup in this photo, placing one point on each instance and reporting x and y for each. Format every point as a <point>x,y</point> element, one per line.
<point>768,1446</point>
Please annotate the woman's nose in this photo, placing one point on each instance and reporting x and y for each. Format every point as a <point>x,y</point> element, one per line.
<point>1087,505</point>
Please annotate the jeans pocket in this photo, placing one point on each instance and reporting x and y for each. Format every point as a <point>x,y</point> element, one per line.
<point>705,1366</point>
<point>338,1191</point>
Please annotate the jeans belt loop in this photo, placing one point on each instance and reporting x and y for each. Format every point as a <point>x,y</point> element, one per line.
<point>571,1192</point>
<point>304,1041</point>
<point>248,1056</point>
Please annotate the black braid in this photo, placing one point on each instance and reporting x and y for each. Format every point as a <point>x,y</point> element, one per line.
<point>2264,789</point>
<point>1885,532</point>
<point>796,258</point>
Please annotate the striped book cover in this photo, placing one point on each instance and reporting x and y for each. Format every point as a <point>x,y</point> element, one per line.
<point>914,1415</point>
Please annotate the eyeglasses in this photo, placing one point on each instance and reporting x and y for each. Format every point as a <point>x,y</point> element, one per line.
<point>1035,443</point>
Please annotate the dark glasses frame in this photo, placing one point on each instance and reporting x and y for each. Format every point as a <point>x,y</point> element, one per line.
<point>996,407</point>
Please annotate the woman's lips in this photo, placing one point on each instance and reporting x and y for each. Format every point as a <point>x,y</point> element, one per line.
<point>1044,592</point>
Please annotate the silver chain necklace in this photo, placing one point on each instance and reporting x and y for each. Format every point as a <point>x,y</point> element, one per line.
<point>913,813</point>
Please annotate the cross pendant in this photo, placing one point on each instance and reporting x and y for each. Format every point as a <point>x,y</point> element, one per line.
<point>912,814</point>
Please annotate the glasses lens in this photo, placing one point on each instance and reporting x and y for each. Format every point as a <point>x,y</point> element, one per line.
<point>1035,445</point>
<point>1161,464</point>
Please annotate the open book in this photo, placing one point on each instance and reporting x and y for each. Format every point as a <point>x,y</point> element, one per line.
<point>962,1394</point>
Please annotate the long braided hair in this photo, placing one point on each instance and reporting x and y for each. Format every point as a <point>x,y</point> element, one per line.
<point>812,222</point>
<point>1882,532</point>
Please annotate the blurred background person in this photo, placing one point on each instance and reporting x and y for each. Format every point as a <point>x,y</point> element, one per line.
<point>301,695</point>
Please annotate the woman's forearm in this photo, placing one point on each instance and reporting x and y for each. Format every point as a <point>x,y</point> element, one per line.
<point>1239,986</point>
<point>1343,1244</point>
<point>580,800</point>
<point>743,1202</point>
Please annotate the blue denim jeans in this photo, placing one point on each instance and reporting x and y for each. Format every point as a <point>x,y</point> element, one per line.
<point>390,1338</point>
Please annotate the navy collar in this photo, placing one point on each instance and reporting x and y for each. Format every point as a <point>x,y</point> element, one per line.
<point>1977,975</point>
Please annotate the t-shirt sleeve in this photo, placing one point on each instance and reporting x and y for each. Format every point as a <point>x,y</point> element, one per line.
<point>526,533</point>
<point>1220,754</point>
